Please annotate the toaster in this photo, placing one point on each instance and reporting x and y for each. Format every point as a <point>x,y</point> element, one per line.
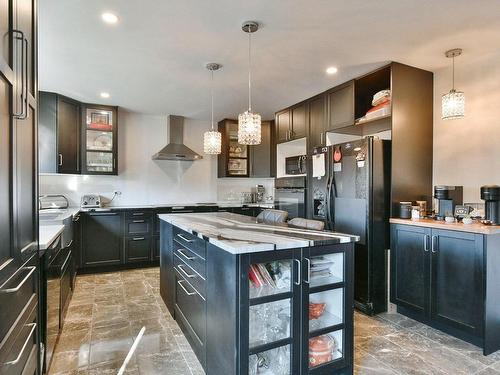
<point>91,201</point>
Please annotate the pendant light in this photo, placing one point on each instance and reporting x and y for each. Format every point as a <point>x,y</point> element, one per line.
<point>453,103</point>
<point>212,139</point>
<point>249,124</point>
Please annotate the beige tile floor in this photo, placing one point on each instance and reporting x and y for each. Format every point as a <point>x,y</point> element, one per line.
<point>107,312</point>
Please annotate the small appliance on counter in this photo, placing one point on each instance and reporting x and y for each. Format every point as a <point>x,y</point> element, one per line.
<point>52,201</point>
<point>258,194</point>
<point>491,195</point>
<point>91,201</point>
<point>295,165</point>
<point>447,197</point>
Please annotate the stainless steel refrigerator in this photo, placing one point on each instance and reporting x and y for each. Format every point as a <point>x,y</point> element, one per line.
<point>353,197</point>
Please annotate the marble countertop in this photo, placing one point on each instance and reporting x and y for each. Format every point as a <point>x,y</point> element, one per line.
<point>47,235</point>
<point>240,234</point>
<point>475,227</point>
<point>179,205</point>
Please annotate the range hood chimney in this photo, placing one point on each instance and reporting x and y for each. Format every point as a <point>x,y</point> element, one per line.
<point>175,149</point>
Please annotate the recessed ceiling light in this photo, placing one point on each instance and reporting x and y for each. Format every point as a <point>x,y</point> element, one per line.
<point>109,17</point>
<point>331,70</point>
<point>104,95</point>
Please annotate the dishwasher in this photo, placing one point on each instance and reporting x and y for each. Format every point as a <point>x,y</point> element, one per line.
<point>57,269</point>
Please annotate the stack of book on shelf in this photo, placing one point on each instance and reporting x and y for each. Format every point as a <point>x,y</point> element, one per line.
<point>260,275</point>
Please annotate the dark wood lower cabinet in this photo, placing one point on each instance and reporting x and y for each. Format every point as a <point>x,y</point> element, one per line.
<point>137,249</point>
<point>102,239</point>
<point>232,325</point>
<point>447,279</point>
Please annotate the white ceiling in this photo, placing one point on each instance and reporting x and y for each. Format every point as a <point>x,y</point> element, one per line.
<point>153,60</point>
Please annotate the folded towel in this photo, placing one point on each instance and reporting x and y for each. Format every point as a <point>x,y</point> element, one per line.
<point>381,97</point>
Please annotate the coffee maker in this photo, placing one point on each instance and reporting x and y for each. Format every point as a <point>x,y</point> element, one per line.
<point>491,196</point>
<point>447,197</point>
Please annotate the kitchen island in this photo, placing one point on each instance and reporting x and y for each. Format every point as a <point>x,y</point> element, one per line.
<point>256,298</point>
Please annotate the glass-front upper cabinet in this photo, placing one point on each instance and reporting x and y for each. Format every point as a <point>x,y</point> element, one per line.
<point>100,140</point>
<point>234,158</point>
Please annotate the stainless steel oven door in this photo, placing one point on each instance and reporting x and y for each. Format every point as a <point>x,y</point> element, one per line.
<point>292,201</point>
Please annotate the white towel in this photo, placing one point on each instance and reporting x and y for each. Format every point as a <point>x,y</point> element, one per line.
<point>318,165</point>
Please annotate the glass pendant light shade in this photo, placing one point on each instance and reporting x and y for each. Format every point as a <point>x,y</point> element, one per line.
<point>212,141</point>
<point>453,105</point>
<point>249,123</point>
<point>249,128</point>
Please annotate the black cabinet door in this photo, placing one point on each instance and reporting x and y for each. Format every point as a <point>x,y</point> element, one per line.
<point>283,126</point>
<point>68,136</point>
<point>457,280</point>
<point>137,249</point>
<point>341,106</point>
<point>410,267</point>
<point>260,160</point>
<point>6,89</point>
<point>156,248</point>
<point>299,121</point>
<point>167,279</point>
<point>317,121</point>
<point>102,239</point>
<point>47,132</point>
<point>77,241</point>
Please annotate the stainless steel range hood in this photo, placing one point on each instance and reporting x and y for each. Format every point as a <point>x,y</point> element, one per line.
<point>175,149</point>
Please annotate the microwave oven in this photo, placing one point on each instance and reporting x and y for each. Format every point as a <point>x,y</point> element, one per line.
<point>295,165</point>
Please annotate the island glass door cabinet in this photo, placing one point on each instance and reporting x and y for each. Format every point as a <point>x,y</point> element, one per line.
<point>299,314</point>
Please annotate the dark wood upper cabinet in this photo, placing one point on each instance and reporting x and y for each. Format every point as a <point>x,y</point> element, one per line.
<point>68,135</point>
<point>317,121</point>
<point>99,139</point>
<point>233,161</point>
<point>237,160</point>
<point>59,134</point>
<point>298,128</point>
<point>260,155</point>
<point>341,106</point>
<point>283,126</point>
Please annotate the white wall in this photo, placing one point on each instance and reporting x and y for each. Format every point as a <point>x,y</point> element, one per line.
<point>144,181</point>
<point>467,151</point>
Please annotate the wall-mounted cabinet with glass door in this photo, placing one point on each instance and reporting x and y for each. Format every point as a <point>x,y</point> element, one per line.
<point>76,138</point>
<point>100,136</point>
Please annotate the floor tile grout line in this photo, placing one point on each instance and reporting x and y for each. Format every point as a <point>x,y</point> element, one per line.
<point>462,355</point>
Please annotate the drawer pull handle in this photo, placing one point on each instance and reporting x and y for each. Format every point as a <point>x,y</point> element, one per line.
<point>16,289</point>
<point>18,358</point>
<point>138,214</point>
<point>184,289</point>
<point>138,239</point>
<point>181,236</point>
<point>181,268</point>
<point>181,251</point>
<point>138,221</point>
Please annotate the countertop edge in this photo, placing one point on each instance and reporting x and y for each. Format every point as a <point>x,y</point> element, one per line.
<point>47,235</point>
<point>477,228</point>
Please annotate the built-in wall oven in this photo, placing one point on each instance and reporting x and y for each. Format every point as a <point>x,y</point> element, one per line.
<point>290,196</point>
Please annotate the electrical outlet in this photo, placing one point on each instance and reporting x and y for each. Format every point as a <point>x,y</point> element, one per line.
<point>116,192</point>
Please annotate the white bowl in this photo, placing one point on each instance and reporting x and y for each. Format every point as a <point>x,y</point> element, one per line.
<point>467,220</point>
<point>449,219</point>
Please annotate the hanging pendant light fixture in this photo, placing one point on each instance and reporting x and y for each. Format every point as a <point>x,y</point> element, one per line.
<point>249,124</point>
<point>212,139</point>
<point>453,103</point>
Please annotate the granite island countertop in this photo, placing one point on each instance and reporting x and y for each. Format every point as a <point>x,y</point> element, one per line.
<point>239,234</point>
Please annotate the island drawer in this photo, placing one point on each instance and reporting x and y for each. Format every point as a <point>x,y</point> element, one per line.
<point>192,259</point>
<point>192,307</point>
<point>190,241</point>
<point>196,281</point>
